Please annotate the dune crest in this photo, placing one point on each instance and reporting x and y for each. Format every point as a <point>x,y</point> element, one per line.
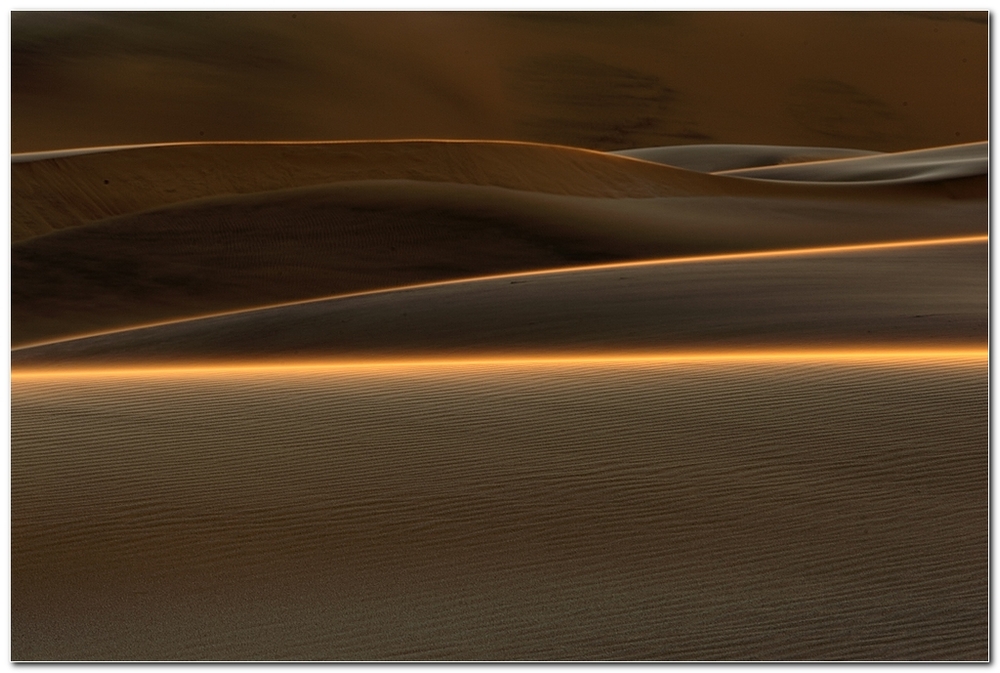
<point>931,294</point>
<point>711,158</point>
<point>936,163</point>
<point>55,193</point>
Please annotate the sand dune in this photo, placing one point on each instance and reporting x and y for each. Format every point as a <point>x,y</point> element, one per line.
<point>703,511</point>
<point>919,295</point>
<point>711,158</point>
<point>52,194</point>
<point>523,336</point>
<point>230,253</point>
<point>938,163</point>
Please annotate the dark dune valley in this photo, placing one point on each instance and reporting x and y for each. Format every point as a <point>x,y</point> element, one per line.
<point>499,336</point>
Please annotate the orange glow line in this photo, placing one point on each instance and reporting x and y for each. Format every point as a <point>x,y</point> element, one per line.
<point>926,356</point>
<point>718,257</point>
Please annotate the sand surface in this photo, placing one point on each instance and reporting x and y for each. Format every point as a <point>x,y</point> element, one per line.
<point>825,504</point>
<point>888,296</point>
<point>52,194</point>
<point>499,336</point>
<point>680,512</point>
<point>166,238</point>
<point>709,158</point>
<point>939,163</point>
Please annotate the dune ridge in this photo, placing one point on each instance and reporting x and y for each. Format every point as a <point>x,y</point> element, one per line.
<point>55,193</point>
<point>711,158</point>
<point>926,294</point>
<point>622,265</point>
<point>95,186</point>
<point>937,163</point>
<point>217,253</point>
<point>919,357</point>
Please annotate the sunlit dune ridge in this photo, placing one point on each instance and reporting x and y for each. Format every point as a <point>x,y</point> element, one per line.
<point>911,356</point>
<point>767,254</point>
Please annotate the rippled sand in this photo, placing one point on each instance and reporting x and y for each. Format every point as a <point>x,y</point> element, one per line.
<point>518,336</point>
<point>664,511</point>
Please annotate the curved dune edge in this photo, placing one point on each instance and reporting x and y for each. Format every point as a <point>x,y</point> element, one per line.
<point>56,193</point>
<point>520,275</point>
<point>716,157</point>
<point>928,297</point>
<point>956,356</point>
<point>913,166</point>
<point>228,253</point>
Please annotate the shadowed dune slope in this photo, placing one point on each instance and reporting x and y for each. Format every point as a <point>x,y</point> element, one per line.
<point>721,157</point>
<point>756,511</point>
<point>52,194</point>
<point>926,295</point>
<point>937,163</point>
<point>57,193</point>
<point>239,252</point>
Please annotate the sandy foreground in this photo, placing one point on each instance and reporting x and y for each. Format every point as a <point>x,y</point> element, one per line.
<point>684,511</point>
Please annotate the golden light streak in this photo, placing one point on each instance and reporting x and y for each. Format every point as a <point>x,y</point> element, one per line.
<point>923,356</point>
<point>632,264</point>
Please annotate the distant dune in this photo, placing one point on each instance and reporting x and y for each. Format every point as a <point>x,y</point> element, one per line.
<point>709,158</point>
<point>56,193</point>
<point>939,163</point>
<point>181,231</point>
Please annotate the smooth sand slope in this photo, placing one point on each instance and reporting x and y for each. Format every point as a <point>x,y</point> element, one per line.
<point>887,296</point>
<point>461,210</point>
<point>938,163</point>
<point>712,511</point>
<point>58,193</point>
<point>52,194</point>
<point>874,80</point>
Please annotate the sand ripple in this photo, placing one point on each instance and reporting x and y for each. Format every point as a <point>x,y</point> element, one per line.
<point>604,512</point>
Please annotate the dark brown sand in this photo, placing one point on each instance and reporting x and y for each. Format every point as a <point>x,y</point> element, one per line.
<point>927,295</point>
<point>723,510</point>
<point>813,486</point>
<point>52,194</point>
<point>681,512</point>
<point>402,213</point>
